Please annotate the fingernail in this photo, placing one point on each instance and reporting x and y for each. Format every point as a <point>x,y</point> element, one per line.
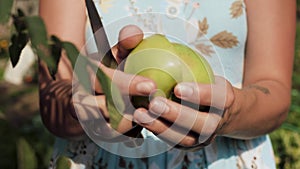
<point>159,106</point>
<point>184,90</point>
<point>145,87</point>
<point>142,117</point>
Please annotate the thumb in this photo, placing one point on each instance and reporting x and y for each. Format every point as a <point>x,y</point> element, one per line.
<point>129,37</point>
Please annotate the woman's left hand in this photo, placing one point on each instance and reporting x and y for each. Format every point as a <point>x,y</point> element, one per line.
<point>182,125</point>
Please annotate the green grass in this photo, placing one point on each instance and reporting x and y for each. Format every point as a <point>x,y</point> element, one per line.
<point>2,66</point>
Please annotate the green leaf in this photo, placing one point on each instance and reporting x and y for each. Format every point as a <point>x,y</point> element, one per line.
<point>114,100</point>
<point>109,60</point>
<point>291,127</point>
<point>56,48</point>
<point>72,52</point>
<point>39,40</point>
<point>19,39</point>
<point>5,10</point>
<point>37,30</point>
<point>79,64</point>
<point>26,155</point>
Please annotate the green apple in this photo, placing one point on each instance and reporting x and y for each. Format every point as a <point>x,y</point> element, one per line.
<point>166,63</point>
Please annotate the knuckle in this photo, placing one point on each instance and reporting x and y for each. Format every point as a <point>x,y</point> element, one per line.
<point>188,141</point>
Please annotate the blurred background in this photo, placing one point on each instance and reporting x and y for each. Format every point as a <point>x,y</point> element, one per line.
<point>26,144</point>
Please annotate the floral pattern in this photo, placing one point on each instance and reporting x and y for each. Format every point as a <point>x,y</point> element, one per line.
<point>237,9</point>
<point>215,28</point>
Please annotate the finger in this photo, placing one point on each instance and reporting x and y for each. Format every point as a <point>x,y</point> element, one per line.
<point>89,107</point>
<point>130,84</point>
<point>101,102</point>
<point>170,133</point>
<point>125,123</point>
<point>219,94</point>
<point>95,85</point>
<point>129,37</point>
<point>127,83</point>
<point>92,113</point>
<point>183,116</point>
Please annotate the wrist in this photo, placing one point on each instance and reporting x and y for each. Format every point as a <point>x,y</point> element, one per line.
<point>226,125</point>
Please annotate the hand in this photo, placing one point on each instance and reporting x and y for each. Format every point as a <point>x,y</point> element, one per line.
<point>179,124</point>
<point>93,107</point>
<point>129,37</point>
<point>62,102</point>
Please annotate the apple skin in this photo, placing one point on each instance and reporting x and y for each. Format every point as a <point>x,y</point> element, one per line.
<point>166,63</point>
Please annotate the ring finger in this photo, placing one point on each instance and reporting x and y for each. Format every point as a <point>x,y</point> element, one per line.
<point>172,134</point>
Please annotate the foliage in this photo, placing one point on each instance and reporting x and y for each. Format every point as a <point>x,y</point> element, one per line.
<point>5,8</point>
<point>4,39</point>
<point>28,147</point>
<point>31,30</point>
<point>287,146</point>
<point>26,156</point>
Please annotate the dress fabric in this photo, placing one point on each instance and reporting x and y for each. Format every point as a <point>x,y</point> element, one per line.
<point>215,28</point>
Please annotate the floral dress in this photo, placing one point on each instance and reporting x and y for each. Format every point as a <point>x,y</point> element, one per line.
<point>215,28</point>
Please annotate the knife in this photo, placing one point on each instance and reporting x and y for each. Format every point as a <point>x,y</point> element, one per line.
<point>100,36</point>
<point>136,138</point>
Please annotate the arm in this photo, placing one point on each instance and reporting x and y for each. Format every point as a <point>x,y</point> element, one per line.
<point>56,106</point>
<point>259,107</point>
<point>67,20</point>
<point>263,103</point>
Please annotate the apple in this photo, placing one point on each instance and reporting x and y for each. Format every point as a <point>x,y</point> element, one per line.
<point>166,63</point>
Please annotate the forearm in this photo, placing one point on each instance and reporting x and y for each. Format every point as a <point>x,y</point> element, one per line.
<point>259,108</point>
<point>263,102</point>
<point>56,107</point>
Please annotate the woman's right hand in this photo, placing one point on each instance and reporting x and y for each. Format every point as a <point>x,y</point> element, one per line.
<point>65,107</point>
<point>93,107</point>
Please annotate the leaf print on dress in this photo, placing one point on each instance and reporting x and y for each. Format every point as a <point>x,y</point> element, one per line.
<point>224,39</point>
<point>206,50</point>
<point>203,26</point>
<point>201,42</point>
<point>148,19</point>
<point>236,9</point>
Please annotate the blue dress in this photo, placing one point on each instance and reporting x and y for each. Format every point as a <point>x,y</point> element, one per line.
<point>215,28</point>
